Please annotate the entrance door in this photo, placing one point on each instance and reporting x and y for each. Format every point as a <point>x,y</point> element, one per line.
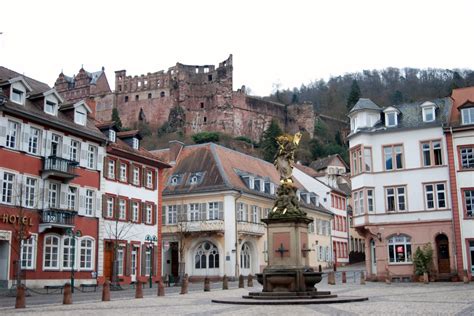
<point>471,250</point>
<point>108,257</point>
<point>373,257</point>
<point>133,268</point>
<point>245,259</point>
<point>4,259</point>
<point>442,247</point>
<point>174,258</point>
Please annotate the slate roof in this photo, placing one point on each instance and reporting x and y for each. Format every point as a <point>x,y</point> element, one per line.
<point>222,168</point>
<point>34,110</point>
<point>93,77</point>
<point>325,162</point>
<point>365,104</point>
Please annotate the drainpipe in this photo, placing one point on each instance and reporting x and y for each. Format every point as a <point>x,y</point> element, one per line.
<point>454,219</point>
<point>237,237</point>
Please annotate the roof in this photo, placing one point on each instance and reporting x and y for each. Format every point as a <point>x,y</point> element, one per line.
<point>365,104</point>
<point>222,168</point>
<point>35,112</point>
<point>93,76</point>
<point>119,147</point>
<point>309,171</point>
<point>325,162</point>
<point>131,133</point>
<point>105,125</point>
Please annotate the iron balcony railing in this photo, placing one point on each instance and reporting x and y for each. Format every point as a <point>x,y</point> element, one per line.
<point>57,217</point>
<point>58,165</point>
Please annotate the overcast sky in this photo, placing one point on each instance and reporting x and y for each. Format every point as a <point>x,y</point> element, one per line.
<point>284,42</point>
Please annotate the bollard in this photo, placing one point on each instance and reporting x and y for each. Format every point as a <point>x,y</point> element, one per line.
<point>20,296</point>
<point>362,278</point>
<point>344,277</point>
<point>67,297</point>
<point>106,291</point>
<point>241,282</point>
<point>161,288</point>
<point>426,279</point>
<point>225,282</point>
<point>250,280</point>
<point>138,290</point>
<point>331,278</point>
<point>320,269</point>
<point>184,285</point>
<point>207,284</point>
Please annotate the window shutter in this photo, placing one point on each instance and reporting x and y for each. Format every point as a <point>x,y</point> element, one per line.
<point>154,214</point>
<point>3,130</point>
<point>163,214</point>
<point>66,145</point>
<point>62,200</point>
<point>144,177</point>
<point>202,208</point>
<point>130,173</point>
<point>98,205</point>
<point>128,210</point>
<point>105,167</point>
<point>117,170</point>
<point>104,206</point>
<point>83,156</point>
<point>221,210</point>
<point>116,207</point>
<point>143,261</point>
<point>128,259</point>
<point>181,213</point>
<point>25,137</point>
<point>100,158</point>
<point>82,200</point>
<point>246,213</point>
<point>155,178</point>
<point>47,139</point>
<point>143,212</point>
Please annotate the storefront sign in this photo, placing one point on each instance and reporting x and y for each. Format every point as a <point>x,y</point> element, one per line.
<point>16,219</point>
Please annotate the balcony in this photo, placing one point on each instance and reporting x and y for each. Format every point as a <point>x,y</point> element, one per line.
<point>189,227</point>
<point>250,228</point>
<point>59,168</point>
<point>60,218</point>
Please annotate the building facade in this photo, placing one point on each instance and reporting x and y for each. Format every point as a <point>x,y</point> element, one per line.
<point>400,186</point>
<point>129,229</point>
<point>213,202</point>
<point>50,160</point>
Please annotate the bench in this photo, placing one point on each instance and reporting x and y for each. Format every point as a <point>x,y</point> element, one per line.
<point>88,286</point>
<point>53,287</point>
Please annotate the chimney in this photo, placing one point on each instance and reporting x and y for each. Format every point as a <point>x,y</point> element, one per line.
<point>175,149</point>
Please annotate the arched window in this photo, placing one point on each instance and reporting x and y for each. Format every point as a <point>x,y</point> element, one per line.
<point>206,256</point>
<point>399,249</point>
<point>68,252</point>
<point>87,249</point>
<point>51,252</point>
<point>245,256</point>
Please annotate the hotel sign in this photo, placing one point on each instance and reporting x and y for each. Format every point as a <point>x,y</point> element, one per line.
<point>16,219</point>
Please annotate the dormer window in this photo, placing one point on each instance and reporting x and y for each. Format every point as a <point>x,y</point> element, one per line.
<point>112,135</point>
<point>136,143</point>
<point>428,114</point>
<point>467,116</point>
<point>194,179</point>
<point>257,184</point>
<point>50,107</point>
<point>390,119</point>
<point>80,117</point>
<point>174,180</point>
<point>18,96</point>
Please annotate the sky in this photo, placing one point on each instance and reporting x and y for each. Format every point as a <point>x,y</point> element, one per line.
<point>274,43</point>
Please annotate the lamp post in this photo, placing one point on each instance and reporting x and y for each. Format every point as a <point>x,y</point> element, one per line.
<point>74,235</point>
<point>153,239</point>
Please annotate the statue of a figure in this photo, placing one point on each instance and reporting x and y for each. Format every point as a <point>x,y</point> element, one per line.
<point>286,204</point>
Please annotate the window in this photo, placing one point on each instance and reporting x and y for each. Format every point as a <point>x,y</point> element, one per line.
<point>137,97</point>
<point>68,252</point>
<point>149,95</point>
<point>206,256</point>
<point>242,215</point>
<point>361,202</point>
<point>390,119</point>
<point>112,135</point>
<point>91,154</point>
<point>162,94</point>
<point>467,116</point>
<point>120,261</point>
<point>30,192</point>
<point>34,140</point>
<point>13,134</point>
<point>367,159</point>
<point>467,157</point>
<point>370,200</point>
<point>399,249</point>
<point>18,96</point>
<point>28,253</point>
<point>50,107</point>
<point>89,202</point>
<point>431,152</point>
<point>393,156</point>
<point>74,150</point>
<point>111,169</point>
<point>136,176</point>
<point>126,98</point>
<point>149,179</point>
<point>213,210</point>
<point>361,160</point>
<point>255,212</point>
<point>428,114</point>
<point>149,214</point>
<point>80,117</point>
<point>87,247</point>
<point>71,198</point>
<point>110,207</point>
<point>356,203</point>
<point>7,188</point>
<point>193,214</point>
<point>135,211</point>
<point>53,194</point>
<point>51,252</point>
<point>148,262</point>
<point>123,172</point>
<point>435,196</point>
<point>395,199</point>
<point>136,143</point>
<point>56,141</point>
<point>469,202</point>
<point>122,209</point>
<point>172,213</point>
<point>257,184</point>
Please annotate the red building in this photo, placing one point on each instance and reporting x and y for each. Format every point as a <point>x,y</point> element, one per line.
<point>50,203</point>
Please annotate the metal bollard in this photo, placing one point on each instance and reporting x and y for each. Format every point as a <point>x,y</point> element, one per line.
<point>67,297</point>
<point>138,290</point>
<point>106,291</point>
<point>20,297</point>
<point>225,282</point>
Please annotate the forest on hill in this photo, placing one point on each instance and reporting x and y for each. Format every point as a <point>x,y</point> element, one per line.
<point>385,87</point>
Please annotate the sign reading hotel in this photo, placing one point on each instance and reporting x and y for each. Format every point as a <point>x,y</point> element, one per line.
<point>16,219</point>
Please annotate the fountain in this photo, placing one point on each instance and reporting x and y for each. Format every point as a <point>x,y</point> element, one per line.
<point>288,278</point>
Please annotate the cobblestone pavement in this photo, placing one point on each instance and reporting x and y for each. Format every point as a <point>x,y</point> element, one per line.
<point>392,299</point>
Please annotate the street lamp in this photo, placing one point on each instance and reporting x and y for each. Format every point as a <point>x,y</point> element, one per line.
<point>74,235</point>
<point>152,239</point>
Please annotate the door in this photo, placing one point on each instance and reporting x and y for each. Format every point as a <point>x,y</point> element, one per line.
<point>245,259</point>
<point>4,259</point>
<point>373,257</point>
<point>174,258</point>
<point>442,247</point>
<point>471,250</point>
<point>133,267</point>
<point>206,259</point>
<point>108,258</point>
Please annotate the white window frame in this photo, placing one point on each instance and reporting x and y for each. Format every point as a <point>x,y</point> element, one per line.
<point>135,143</point>
<point>194,212</point>
<point>148,262</point>
<point>69,252</point>
<point>13,134</point>
<point>213,210</point>
<point>34,140</point>
<point>89,205</point>
<point>396,241</point>
<point>31,186</point>
<point>435,192</point>
<point>74,150</point>
<point>123,172</point>
<point>46,247</point>
<point>430,110</point>
<point>120,258</point>
<point>370,197</point>
<point>149,179</point>
<point>112,135</point>
<point>136,175</point>
<point>149,214</point>
<point>467,115</point>
<point>71,198</point>
<point>21,95</point>
<point>111,169</point>
<point>468,199</point>
<point>48,104</point>
<point>29,249</point>
<point>171,214</point>
<point>91,155</point>
<point>467,157</point>
<point>135,211</point>
<point>396,195</point>
<point>86,252</point>
<point>255,213</point>
<point>110,207</point>
<point>8,188</point>
<point>387,119</point>
<point>56,139</point>
<point>80,117</point>
<point>122,209</point>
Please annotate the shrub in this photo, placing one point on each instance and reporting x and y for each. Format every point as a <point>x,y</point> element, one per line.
<point>205,137</point>
<point>423,259</point>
